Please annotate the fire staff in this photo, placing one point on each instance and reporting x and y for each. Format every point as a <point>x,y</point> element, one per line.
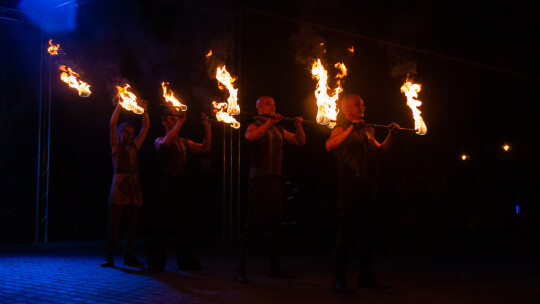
<point>265,183</point>
<point>173,211</point>
<point>125,198</point>
<point>356,150</point>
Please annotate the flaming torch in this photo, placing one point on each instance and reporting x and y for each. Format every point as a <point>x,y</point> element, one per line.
<point>53,49</point>
<point>128,100</point>
<point>224,110</point>
<point>169,96</point>
<point>72,79</point>
<point>411,91</point>
<point>327,107</point>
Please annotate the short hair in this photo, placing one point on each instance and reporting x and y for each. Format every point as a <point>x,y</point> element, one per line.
<point>122,126</point>
<point>167,113</point>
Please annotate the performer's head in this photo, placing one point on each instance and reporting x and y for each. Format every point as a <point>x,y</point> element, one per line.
<point>125,132</point>
<point>352,107</point>
<point>169,118</point>
<point>266,105</point>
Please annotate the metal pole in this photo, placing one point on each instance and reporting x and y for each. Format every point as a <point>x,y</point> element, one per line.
<point>38,182</point>
<point>46,218</point>
<point>223,189</point>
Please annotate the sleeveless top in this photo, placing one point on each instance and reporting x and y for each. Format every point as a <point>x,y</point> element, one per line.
<point>126,160</point>
<point>266,152</point>
<point>126,184</point>
<point>357,155</point>
<point>173,158</point>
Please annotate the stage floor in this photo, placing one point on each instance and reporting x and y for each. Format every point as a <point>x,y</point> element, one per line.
<point>70,272</point>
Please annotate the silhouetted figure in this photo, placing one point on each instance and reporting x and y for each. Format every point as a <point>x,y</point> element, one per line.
<point>173,214</point>
<point>266,199</point>
<point>356,151</point>
<point>125,198</point>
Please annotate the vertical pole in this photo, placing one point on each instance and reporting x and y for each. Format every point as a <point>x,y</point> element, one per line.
<point>38,181</point>
<point>46,218</point>
<point>224,188</point>
<point>238,181</point>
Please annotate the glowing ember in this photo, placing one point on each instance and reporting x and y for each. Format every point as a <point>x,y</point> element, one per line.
<point>53,49</point>
<point>209,54</point>
<point>232,107</point>
<point>506,147</point>
<point>223,116</point>
<point>351,49</point>
<point>72,79</point>
<point>128,100</point>
<point>327,107</point>
<point>169,96</point>
<point>411,91</point>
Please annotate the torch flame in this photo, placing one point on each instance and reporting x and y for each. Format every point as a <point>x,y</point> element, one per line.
<point>232,107</point>
<point>169,96</point>
<point>72,79</point>
<point>209,54</point>
<point>327,107</point>
<point>351,49</point>
<point>223,116</point>
<point>411,91</point>
<point>53,49</point>
<point>128,100</point>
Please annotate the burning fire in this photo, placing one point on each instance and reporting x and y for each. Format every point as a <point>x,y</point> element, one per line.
<point>169,96</point>
<point>223,116</point>
<point>128,100</point>
<point>327,107</point>
<point>53,49</point>
<point>209,54</point>
<point>411,91</point>
<point>232,107</point>
<point>351,49</point>
<point>72,79</point>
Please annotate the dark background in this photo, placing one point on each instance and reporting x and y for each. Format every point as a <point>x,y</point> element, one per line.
<point>477,63</point>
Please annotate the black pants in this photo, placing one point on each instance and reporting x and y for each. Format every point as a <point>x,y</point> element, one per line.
<point>130,214</point>
<point>265,207</point>
<point>172,216</point>
<point>355,211</point>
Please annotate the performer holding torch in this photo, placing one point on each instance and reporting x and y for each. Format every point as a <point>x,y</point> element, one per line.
<point>356,151</point>
<point>174,207</point>
<point>265,183</point>
<point>125,198</point>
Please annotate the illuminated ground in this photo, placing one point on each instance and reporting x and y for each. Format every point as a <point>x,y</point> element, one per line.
<point>70,273</point>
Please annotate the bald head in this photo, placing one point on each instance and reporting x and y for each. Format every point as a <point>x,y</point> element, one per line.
<point>353,107</point>
<point>266,105</point>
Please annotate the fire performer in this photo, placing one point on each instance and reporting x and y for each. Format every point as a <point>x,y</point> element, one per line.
<point>174,207</point>
<point>266,197</point>
<point>356,151</point>
<point>125,198</point>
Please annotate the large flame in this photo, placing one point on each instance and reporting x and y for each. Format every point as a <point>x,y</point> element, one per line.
<point>231,106</point>
<point>223,116</point>
<point>169,96</point>
<point>53,49</point>
<point>411,91</point>
<point>72,79</point>
<point>327,106</point>
<point>128,100</point>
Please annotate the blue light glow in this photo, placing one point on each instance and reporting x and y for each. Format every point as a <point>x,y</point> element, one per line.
<point>52,16</point>
<point>518,209</point>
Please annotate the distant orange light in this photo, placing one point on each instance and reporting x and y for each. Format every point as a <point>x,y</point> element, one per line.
<point>506,147</point>
<point>464,157</point>
<point>209,54</point>
<point>53,49</point>
<point>351,49</point>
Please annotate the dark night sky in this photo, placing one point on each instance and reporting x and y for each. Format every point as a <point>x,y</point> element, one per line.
<point>477,63</point>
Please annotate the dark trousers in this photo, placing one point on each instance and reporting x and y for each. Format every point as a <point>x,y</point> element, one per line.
<point>265,207</point>
<point>172,216</point>
<point>355,211</point>
<point>130,214</point>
